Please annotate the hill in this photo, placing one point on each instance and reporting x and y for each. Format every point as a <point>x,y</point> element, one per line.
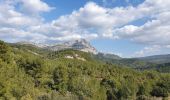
<point>31,73</point>
<point>159,59</point>
<point>81,45</point>
<point>157,62</point>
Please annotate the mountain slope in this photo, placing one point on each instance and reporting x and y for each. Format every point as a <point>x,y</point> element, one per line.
<point>81,45</point>
<point>50,75</point>
<point>158,62</point>
<point>157,58</point>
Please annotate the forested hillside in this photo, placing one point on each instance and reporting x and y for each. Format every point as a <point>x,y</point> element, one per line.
<point>158,64</point>
<point>29,73</point>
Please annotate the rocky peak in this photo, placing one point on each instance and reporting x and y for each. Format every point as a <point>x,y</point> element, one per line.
<point>80,44</point>
<point>83,45</point>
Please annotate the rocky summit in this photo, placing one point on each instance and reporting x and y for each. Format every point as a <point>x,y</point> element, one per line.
<point>81,45</point>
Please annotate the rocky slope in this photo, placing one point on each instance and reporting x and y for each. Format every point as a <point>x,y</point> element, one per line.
<point>81,45</point>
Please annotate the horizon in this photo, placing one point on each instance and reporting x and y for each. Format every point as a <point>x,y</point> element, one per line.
<point>128,28</point>
<point>33,43</point>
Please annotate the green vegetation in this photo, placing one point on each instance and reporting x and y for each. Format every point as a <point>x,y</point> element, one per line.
<point>138,64</point>
<point>29,73</point>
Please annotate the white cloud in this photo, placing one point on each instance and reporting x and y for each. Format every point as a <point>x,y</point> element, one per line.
<point>14,23</point>
<point>147,51</point>
<point>9,17</point>
<point>91,21</point>
<point>13,35</point>
<point>112,22</point>
<point>93,18</point>
<point>152,50</point>
<point>35,6</point>
<point>156,31</point>
<point>168,46</point>
<point>21,26</point>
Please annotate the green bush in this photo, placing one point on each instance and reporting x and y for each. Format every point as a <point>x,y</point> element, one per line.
<point>29,73</point>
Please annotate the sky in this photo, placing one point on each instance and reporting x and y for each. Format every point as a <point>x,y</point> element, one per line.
<point>128,28</point>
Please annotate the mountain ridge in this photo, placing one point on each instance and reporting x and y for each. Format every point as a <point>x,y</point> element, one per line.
<point>81,45</point>
<point>33,73</point>
<point>164,58</point>
<point>159,63</point>
<point>85,46</point>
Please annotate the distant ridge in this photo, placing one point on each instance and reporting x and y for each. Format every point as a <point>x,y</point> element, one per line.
<point>165,58</point>
<point>81,45</point>
<point>32,43</point>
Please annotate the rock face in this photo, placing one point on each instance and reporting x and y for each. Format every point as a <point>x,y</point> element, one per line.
<point>81,45</point>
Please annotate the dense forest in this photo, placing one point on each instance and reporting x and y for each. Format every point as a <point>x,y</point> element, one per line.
<point>29,73</point>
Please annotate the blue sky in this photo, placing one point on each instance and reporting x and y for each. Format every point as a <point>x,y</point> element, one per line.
<point>64,7</point>
<point>129,28</point>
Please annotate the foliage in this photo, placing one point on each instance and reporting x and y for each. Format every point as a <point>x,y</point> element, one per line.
<point>29,73</point>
